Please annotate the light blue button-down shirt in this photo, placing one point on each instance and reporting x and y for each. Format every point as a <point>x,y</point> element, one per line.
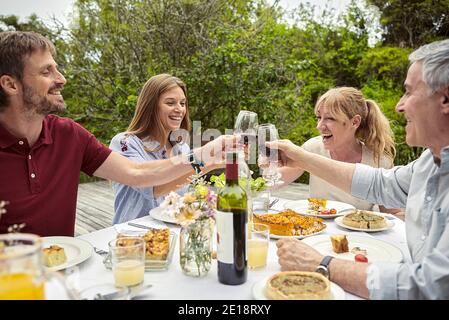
<point>422,187</point>
<point>130,202</point>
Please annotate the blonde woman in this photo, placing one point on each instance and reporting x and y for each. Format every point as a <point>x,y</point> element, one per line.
<point>155,132</point>
<point>352,129</point>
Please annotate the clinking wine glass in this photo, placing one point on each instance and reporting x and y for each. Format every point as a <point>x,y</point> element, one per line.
<point>246,127</point>
<point>269,157</point>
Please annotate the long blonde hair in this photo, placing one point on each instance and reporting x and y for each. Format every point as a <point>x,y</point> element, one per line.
<point>374,130</point>
<point>146,119</point>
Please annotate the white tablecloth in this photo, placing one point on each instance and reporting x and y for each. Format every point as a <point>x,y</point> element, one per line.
<point>173,284</point>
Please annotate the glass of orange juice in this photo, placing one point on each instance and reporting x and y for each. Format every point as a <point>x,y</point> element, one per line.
<point>128,261</point>
<point>22,273</point>
<point>258,240</point>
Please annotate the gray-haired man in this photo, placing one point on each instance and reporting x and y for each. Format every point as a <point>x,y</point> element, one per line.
<point>421,187</point>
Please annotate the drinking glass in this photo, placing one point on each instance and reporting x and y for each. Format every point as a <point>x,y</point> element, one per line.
<point>258,240</point>
<point>22,273</point>
<point>128,261</point>
<point>261,201</point>
<point>268,157</point>
<point>246,127</point>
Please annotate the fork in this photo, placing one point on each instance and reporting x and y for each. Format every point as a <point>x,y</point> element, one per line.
<point>141,293</point>
<point>136,225</point>
<point>100,251</point>
<point>106,257</point>
<point>272,203</point>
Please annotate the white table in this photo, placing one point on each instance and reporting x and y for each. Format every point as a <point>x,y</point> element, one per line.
<point>173,284</point>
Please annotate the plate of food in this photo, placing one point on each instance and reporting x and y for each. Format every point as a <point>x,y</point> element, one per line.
<point>288,223</point>
<point>64,252</point>
<point>362,220</point>
<point>163,214</point>
<point>297,285</point>
<point>322,208</point>
<point>168,208</point>
<point>159,247</point>
<point>355,248</point>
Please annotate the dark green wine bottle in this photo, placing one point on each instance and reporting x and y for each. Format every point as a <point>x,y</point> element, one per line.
<point>232,218</point>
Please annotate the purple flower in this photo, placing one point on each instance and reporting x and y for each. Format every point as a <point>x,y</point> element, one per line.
<point>211,197</point>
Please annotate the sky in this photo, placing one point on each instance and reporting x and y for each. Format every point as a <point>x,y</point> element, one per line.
<point>45,9</point>
<point>60,9</point>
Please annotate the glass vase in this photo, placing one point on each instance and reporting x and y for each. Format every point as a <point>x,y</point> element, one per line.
<point>195,247</point>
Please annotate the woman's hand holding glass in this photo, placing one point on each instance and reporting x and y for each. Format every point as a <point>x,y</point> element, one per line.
<point>290,155</point>
<point>268,158</point>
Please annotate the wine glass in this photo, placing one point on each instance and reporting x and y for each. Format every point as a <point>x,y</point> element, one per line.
<point>269,157</point>
<point>246,127</point>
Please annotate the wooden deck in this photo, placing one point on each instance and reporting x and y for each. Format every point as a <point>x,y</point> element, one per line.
<point>95,205</point>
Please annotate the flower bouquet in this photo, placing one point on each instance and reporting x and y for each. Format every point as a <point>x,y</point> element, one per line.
<point>195,212</point>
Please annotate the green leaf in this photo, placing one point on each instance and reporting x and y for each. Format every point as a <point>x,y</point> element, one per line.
<point>258,184</point>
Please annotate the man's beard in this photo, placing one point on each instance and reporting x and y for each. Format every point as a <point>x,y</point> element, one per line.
<point>40,104</point>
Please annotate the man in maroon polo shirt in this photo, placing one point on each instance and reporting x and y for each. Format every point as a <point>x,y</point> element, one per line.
<point>41,155</point>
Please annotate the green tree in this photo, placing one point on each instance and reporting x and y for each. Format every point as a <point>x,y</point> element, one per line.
<point>387,64</point>
<point>216,47</point>
<point>411,23</point>
<point>232,55</point>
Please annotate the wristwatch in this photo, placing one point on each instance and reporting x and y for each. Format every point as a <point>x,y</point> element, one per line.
<point>323,268</point>
<point>196,164</point>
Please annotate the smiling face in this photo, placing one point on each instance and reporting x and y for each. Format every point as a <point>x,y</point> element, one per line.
<point>420,109</point>
<point>336,132</point>
<point>172,108</point>
<point>42,84</point>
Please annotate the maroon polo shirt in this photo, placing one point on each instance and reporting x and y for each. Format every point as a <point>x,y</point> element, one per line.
<point>41,182</point>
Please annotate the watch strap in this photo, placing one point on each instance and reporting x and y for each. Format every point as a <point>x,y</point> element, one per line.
<point>195,163</point>
<point>325,262</point>
<point>323,267</point>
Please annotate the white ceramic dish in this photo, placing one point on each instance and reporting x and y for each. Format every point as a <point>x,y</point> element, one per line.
<point>76,250</point>
<point>376,250</point>
<point>339,222</point>
<point>301,206</point>
<point>258,290</point>
<point>158,213</point>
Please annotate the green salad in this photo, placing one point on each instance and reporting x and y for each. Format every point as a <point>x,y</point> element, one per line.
<point>258,184</point>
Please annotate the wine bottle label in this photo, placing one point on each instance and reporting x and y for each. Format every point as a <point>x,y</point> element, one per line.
<point>225,237</point>
<point>225,232</point>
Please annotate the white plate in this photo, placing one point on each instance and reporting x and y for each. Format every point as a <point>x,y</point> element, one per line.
<point>275,236</point>
<point>259,290</point>
<point>339,222</point>
<point>76,250</point>
<point>376,250</point>
<point>301,206</point>
<point>158,214</point>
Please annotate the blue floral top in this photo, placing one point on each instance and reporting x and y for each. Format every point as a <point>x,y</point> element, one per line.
<point>130,202</point>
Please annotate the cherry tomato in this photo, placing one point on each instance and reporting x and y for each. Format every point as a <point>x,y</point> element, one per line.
<point>333,211</point>
<point>325,212</point>
<point>360,258</point>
